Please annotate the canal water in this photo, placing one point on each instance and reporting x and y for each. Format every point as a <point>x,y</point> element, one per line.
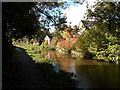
<point>89,73</point>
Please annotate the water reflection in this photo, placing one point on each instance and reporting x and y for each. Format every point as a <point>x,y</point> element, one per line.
<point>90,73</point>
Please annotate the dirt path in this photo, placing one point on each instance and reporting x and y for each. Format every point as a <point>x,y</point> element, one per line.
<point>31,76</point>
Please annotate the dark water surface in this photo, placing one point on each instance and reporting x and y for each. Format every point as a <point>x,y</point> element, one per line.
<point>90,73</point>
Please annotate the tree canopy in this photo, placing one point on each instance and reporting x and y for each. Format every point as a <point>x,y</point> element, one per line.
<point>19,20</point>
<point>103,40</point>
<point>107,16</point>
<point>23,18</point>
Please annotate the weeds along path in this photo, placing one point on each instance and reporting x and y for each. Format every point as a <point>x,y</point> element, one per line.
<point>31,76</point>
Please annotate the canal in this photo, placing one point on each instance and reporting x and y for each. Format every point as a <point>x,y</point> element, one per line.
<point>90,73</point>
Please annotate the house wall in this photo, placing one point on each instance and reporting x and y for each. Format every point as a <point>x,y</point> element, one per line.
<point>47,39</point>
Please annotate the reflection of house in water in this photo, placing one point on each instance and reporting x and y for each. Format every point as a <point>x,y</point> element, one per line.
<point>67,65</point>
<point>64,63</point>
<point>48,56</point>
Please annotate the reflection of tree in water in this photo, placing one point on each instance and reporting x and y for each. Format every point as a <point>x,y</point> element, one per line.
<point>102,76</point>
<point>53,55</point>
<point>65,61</point>
<point>90,73</point>
<point>48,55</point>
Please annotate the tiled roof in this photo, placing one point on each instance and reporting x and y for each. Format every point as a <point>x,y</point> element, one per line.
<point>50,36</point>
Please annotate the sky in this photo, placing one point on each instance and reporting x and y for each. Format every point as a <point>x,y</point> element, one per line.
<point>75,13</point>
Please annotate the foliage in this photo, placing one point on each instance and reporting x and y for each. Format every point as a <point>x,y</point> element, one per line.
<point>45,46</point>
<point>107,16</point>
<point>75,29</point>
<point>53,43</point>
<point>67,34</point>
<point>95,44</point>
<point>66,45</point>
<point>25,40</point>
<point>29,18</point>
<point>57,35</point>
<point>83,43</point>
<point>39,36</point>
<point>64,40</point>
<point>61,23</point>
<point>102,41</point>
<point>113,49</point>
<point>17,18</point>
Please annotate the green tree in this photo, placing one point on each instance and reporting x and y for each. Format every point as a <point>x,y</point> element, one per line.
<point>57,35</point>
<point>19,19</point>
<point>82,44</point>
<point>102,40</point>
<point>75,29</point>
<point>22,19</point>
<point>107,16</point>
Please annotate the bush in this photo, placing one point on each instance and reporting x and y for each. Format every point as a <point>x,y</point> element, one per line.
<point>45,46</point>
<point>54,42</point>
<point>99,45</point>
<point>66,45</point>
<point>82,44</point>
<point>25,40</point>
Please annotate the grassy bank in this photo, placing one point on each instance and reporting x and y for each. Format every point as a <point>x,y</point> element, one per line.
<point>59,79</point>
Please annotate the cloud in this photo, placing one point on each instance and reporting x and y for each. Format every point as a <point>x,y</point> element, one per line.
<point>75,14</point>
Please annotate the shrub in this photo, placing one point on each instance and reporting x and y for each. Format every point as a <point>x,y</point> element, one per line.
<point>45,46</point>
<point>53,42</point>
<point>99,45</point>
